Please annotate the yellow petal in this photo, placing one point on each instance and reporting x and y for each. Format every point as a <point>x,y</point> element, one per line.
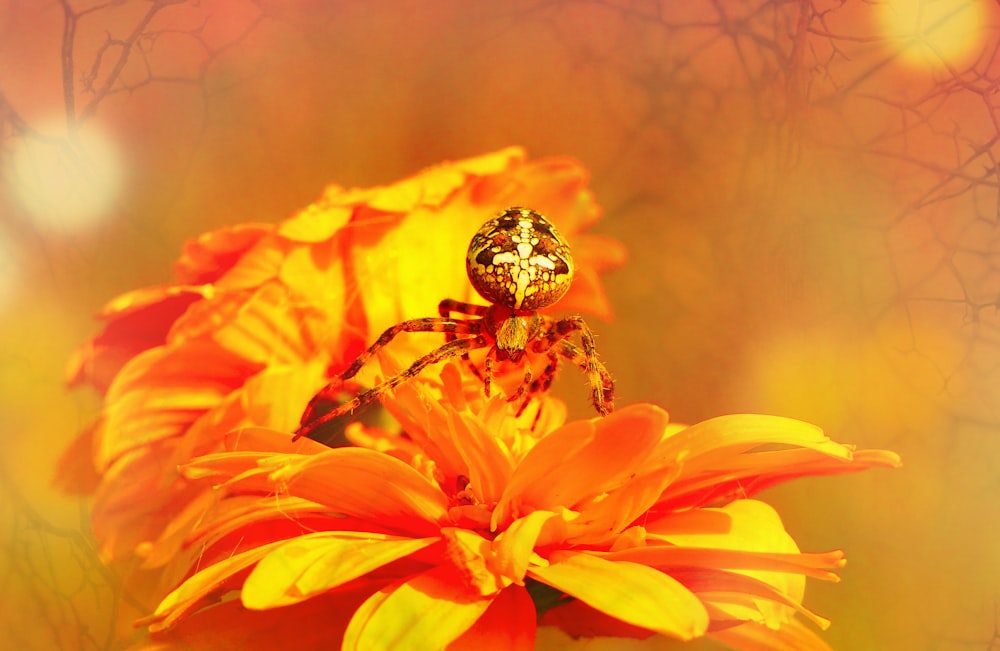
<point>749,526</point>
<point>204,584</point>
<point>471,554</point>
<point>515,546</point>
<point>428,611</point>
<point>317,562</point>
<point>726,436</point>
<point>670,556</point>
<point>630,592</point>
<point>318,222</point>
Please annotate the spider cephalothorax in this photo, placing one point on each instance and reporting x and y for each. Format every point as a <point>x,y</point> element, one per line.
<point>518,262</point>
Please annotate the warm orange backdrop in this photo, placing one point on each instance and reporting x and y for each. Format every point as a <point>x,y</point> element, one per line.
<point>809,194</point>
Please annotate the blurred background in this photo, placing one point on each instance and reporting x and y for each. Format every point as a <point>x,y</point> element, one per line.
<point>809,192</point>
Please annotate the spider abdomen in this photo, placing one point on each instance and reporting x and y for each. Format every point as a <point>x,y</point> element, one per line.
<point>519,260</point>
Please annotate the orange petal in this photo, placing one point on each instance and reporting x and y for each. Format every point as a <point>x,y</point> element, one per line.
<point>204,584</point>
<point>735,596</point>
<point>587,295</point>
<point>428,611</point>
<point>140,493</point>
<point>75,472</point>
<point>556,186</point>
<point>317,562</point>
<point>578,620</point>
<point>241,522</point>
<point>137,321</point>
<point>258,327</point>
<point>276,397</point>
<point>258,265</point>
<point>209,256</point>
<point>487,459</point>
<point>664,557</point>
<point>735,456</point>
<point>352,481</point>
<point>792,635</point>
<point>507,625</point>
<point>266,439</point>
<point>229,626</point>
<point>161,392</point>
<point>582,460</point>
<point>633,593</point>
<point>608,514</point>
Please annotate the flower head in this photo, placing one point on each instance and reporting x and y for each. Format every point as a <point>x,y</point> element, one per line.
<point>623,525</point>
<point>466,519</point>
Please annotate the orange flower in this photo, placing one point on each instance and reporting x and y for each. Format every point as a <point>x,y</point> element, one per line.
<point>458,531</point>
<point>462,523</point>
<point>261,315</point>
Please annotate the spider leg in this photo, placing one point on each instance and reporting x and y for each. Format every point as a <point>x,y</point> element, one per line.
<point>449,306</point>
<point>450,349</point>
<point>523,387</point>
<point>430,324</point>
<point>487,376</point>
<point>542,383</point>
<point>601,384</point>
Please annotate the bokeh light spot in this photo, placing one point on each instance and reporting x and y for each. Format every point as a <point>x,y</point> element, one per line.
<point>933,33</point>
<point>65,182</point>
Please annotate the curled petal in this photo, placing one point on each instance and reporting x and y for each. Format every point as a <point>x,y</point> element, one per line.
<point>515,547</point>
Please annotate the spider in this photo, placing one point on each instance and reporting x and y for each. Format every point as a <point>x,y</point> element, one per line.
<point>518,262</point>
